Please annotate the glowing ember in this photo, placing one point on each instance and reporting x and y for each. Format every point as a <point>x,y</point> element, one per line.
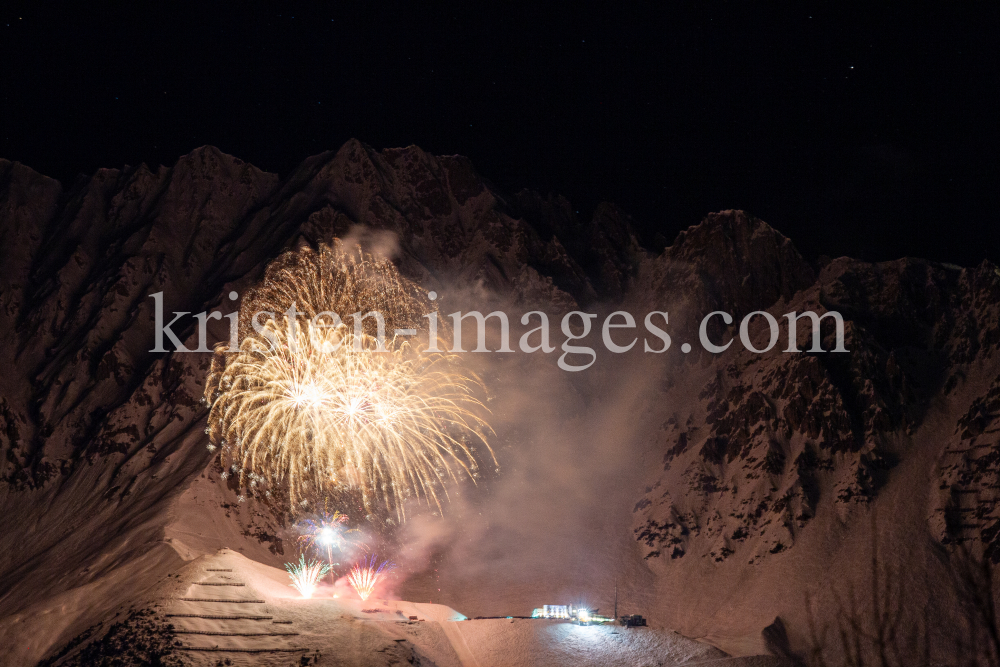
<point>327,410</point>
<point>365,575</point>
<point>306,574</point>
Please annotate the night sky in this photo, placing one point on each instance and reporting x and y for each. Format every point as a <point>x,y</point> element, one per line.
<point>866,132</point>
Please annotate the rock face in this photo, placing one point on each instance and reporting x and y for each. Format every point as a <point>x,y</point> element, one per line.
<point>758,447</point>
<point>79,268</point>
<point>754,449</point>
<point>97,428</point>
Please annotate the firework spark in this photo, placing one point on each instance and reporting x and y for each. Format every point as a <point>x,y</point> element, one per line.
<point>328,534</point>
<point>328,409</point>
<point>306,574</point>
<point>365,575</point>
<point>335,279</point>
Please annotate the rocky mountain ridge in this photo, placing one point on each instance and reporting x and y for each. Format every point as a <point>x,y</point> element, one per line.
<point>789,420</point>
<point>98,428</point>
<point>758,447</point>
<point>80,266</point>
<point>752,448</point>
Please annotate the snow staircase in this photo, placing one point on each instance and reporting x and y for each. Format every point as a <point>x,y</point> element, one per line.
<point>212,616</point>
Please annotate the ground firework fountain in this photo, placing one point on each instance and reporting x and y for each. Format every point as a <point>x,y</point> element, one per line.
<point>365,575</point>
<point>306,575</point>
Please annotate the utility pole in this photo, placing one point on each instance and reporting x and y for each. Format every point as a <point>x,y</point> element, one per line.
<point>616,600</point>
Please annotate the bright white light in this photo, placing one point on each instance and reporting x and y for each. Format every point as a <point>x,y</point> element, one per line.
<point>326,536</point>
<point>307,395</point>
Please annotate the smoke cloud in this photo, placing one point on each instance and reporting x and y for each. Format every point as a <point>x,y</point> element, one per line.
<point>553,525</point>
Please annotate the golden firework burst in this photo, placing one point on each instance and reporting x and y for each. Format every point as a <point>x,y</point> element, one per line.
<point>316,410</point>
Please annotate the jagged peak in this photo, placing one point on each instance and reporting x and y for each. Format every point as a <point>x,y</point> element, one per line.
<point>208,158</point>
<point>740,261</point>
<point>736,225</point>
<point>614,223</point>
<point>21,171</point>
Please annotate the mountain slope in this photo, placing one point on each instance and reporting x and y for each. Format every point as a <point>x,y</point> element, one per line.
<point>754,476</point>
<point>99,434</point>
<point>774,466</point>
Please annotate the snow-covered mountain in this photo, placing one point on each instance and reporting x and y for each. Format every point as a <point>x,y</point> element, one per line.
<point>778,469</point>
<point>757,475</point>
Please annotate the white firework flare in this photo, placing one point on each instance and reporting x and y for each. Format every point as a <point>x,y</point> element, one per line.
<point>306,575</point>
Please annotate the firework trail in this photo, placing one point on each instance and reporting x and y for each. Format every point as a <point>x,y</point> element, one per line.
<point>306,574</point>
<point>365,575</point>
<point>317,410</point>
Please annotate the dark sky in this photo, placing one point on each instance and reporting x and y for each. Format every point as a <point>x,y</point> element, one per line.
<point>871,133</point>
